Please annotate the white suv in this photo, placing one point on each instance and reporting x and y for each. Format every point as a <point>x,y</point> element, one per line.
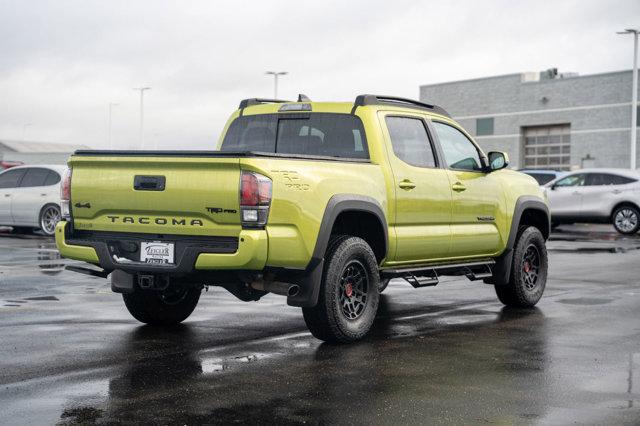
<point>597,196</point>
<point>30,197</point>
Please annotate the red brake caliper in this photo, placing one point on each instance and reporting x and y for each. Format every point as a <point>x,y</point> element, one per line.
<point>348,290</point>
<point>527,266</point>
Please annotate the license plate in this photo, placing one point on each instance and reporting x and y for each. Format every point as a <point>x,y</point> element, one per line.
<point>156,252</point>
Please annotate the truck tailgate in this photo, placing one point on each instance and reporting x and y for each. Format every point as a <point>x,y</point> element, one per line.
<point>162,194</point>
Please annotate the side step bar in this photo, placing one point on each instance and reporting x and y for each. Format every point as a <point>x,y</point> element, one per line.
<point>426,276</point>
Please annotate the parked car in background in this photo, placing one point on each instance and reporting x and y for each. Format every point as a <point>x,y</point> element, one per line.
<point>543,176</point>
<point>30,197</point>
<point>597,196</point>
<point>9,164</point>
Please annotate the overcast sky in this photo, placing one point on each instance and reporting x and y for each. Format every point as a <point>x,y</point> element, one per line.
<point>62,62</point>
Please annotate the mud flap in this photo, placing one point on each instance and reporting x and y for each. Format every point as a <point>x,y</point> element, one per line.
<point>502,269</point>
<point>310,283</point>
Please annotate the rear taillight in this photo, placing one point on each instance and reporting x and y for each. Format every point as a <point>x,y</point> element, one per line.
<point>65,194</point>
<point>255,199</point>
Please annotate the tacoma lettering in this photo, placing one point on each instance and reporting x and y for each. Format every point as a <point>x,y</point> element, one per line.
<point>144,220</point>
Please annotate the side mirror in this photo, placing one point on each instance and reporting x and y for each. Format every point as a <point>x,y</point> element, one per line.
<point>498,160</point>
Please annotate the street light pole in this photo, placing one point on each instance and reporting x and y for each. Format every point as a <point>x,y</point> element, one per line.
<point>111,105</point>
<point>141,89</point>
<point>275,75</point>
<point>634,96</point>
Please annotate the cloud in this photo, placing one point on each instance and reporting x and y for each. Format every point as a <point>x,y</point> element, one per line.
<point>62,62</point>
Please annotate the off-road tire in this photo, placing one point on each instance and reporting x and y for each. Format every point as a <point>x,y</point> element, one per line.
<point>629,219</point>
<point>525,288</point>
<point>157,308</point>
<point>329,319</point>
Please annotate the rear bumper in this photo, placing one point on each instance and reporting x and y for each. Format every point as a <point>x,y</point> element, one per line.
<point>251,254</point>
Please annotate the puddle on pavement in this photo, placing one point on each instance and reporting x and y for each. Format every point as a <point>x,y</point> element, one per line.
<point>45,253</point>
<point>585,301</point>
<point>466,319</point>
<point>617,249</point>
<point>216,364</point>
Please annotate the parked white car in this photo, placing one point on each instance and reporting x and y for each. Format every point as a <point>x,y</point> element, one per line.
<point>30,197</point>
<point>597,196</point>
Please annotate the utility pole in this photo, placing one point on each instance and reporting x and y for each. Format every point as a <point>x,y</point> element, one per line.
<point>111,105</point>
<point>275,75</point>
<point>634,95</point>
<point>141,89</point>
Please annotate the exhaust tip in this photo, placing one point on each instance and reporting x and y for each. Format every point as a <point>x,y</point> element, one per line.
<point>293,290</point>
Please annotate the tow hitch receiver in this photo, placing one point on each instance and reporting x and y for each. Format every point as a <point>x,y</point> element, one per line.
<point>153,282</point>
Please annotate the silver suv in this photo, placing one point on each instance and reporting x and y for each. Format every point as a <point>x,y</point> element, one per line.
<point>597,196</point>
<point>30,198</point>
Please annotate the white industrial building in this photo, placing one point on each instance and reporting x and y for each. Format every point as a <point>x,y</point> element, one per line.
<point>29,152</point>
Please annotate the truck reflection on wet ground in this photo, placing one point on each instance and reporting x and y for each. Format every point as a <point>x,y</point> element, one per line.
<point>325,383</point>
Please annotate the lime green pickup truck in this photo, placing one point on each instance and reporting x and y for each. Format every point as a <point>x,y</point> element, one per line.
<point>320,202</point>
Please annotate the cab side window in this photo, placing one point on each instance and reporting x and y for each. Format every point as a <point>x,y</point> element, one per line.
<point>573,180</point>
<point>11,178</point>
<point>459,152</point>
<point>410,141</point>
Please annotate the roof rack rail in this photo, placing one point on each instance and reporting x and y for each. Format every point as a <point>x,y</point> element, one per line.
<point>362,100</point>
<point>257,101</point>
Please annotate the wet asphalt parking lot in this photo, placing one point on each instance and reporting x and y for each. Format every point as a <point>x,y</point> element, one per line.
<point>70,353</point>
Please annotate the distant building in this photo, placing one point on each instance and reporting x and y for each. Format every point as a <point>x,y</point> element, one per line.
<point>36,152</point>
<point>545,119</point>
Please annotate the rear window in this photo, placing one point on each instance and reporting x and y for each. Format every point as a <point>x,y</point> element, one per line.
<point>52,178</point>
<point>599,179</point>
<point>328,135</point>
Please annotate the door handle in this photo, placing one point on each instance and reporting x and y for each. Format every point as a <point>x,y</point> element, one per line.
<point>458,187</point>
<point>577,193</point>
<point>406,184</point>
<point>616,191</point>
<point>7,195</point>
<point>43,195</point>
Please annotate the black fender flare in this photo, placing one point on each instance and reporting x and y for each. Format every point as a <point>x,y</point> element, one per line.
<point>343,203</point>
<point>339,203</point>
<point>502,268</point>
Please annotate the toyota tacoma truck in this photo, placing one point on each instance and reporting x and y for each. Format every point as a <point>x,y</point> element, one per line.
<point>320,202</point>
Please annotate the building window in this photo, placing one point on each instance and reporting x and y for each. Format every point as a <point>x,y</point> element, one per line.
<point>547,147</point>
<point>484,126</point>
